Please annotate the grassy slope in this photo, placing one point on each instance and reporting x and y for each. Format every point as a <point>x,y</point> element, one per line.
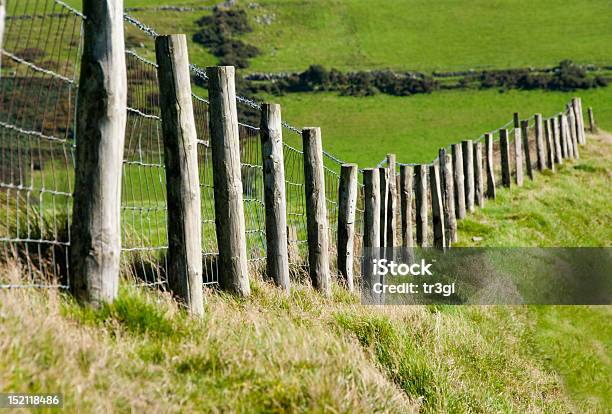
<point>363,130</point>
<point>304,353</point>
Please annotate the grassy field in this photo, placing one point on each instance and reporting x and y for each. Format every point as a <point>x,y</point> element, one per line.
<point>304,353</point>
<point>363,130</point>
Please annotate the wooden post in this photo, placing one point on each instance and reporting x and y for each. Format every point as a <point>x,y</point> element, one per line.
<point>439,239</point>
<point>563,136</point>
<point>421,204</point>
<point>490,166</point>
<point>526,149</point>
<point>316,210</point>
<point>371,215</point>
<point>384,200</point>
<point>182,173</point>
<point>277,254</point>
<point>577,106</point>
<point>557,140</point>
<point>2,17</point>
<point>458,181</point>
<point>468,173</point>
<point>516,119</point>
<point>478,177</point>
<point>100,126</point>
<point>505,157</point>
<point>568,137</point>
<point>592,125</point>
<point>573,133</point>
<point>229,207</point>
<point>540,142</point>
<point>448,197</point>
<point>391,241</point>
<point>406,186</point>
<point>550,146</point>
<point>347,206</point>
<point>518,153</point>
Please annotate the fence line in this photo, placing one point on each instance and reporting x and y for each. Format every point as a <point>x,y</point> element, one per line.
<point>37,162</point>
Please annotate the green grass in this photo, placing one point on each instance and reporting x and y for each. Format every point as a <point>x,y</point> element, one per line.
<point>305,353</point>
<point>364,130</point>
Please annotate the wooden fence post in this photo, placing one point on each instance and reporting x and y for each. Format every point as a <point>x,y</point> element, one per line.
<point>384,200</point>
<point>421,204</point>
<point>371,215</point>
<point>592,124</point>
<point>2,17</point>
<point>437,210</point>
<point>568,136</point>
<point>563,136</point>
<point>557,140</point>
<point>478,177</point>
<point>526,149</point>
<point>540,142</point>
<point>573,133</point>
<point>100,126</point>
<point>391,241</point>
<point>458,181</point>
<point>277,254</point>
<point>577,105</point>
<point>182,173</point>
<point>448,197</point>
<point>550,145</point>
<point>229,206</point>
<point>490,166</point>
<point>347,206</point>
<point>316,210</point>
<point>468,173</point>
<point>406,187</point>
<point>505,157</point>
<point>518,152</point>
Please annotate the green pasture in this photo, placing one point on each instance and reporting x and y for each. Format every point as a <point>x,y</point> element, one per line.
<point>363,130</point>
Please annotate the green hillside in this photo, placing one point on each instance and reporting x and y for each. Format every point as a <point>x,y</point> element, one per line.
<point>305,353</point>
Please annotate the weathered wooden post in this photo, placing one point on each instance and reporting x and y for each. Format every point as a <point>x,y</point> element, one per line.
<point>100,126</point>
<point>468,173</point>
<point>448,196</point>
<point>518,152</point>
<point>556,140</point>
<point>573,133</point>
<point>371,215</point>
<point>384,200</point>
<point>505,157</point>
<point>577,106</point>
<point>540,142</point>
<point>458,181</point>
<point>182,173</point>
<point>439,234</point>
<point>421,204</point>
<point>2,17</point>
<point>406,187</point>
<point>478,177</point>
<point>316,210</point>
<point>229,207</point>
<point>592,125</point>
<point>568,137</point>
<point>371,229</point>
<point>275,202</point>
<point>526,149</point>
<point>391,241</point>
<point>550,145</point>
<point>490,166</point>
<point>563,136</point>
<point>347,207</point>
